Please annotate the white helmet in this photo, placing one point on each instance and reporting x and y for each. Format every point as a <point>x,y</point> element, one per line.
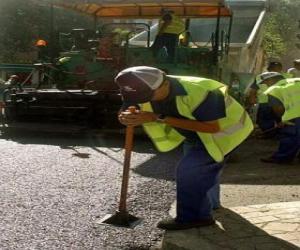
<point>267,75</point>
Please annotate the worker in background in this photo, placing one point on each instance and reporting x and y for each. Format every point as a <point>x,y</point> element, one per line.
<point>169,28</point>
<point>265,118</point>
<point>197,112</point>
<point>42,49</point>
<point>285,101</point>
<point>295,71</point>
<point>277,67</point>
<point>273,66</point>
<point>11,86</point>
<point>13,82</point>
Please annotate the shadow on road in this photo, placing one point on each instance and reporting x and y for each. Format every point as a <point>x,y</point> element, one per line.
<point>244,166</point>
<point>113,139</point>
<point>231,232</point>
<point>244,233</point>
<point>161,166</point>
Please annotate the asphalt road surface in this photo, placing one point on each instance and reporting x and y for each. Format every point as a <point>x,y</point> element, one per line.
<point>54,188</point>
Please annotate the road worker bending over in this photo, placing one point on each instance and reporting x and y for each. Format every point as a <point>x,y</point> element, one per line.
<point>284,98</point>
<point>197,112</point>
<point>265,118</point>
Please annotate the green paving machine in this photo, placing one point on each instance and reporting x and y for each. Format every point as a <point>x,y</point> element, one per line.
<point>78,86</point>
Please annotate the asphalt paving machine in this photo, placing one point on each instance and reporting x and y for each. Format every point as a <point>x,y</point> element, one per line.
<point>78,86</point>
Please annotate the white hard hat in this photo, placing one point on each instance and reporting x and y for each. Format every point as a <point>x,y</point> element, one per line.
<point>137,84</point>
<point>297,61</point>
<point>267,75</point>
<point>14,77</point>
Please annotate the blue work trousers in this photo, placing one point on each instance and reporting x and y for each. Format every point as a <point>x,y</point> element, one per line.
<point>197,180</point>
<point>265,118</point>
<point>289,142</point>
<point>169,41</point>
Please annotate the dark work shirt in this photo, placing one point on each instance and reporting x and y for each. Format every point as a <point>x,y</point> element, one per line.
<point>273,101</point>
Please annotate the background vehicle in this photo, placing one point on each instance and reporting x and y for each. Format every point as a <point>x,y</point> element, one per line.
<point>78,86</point>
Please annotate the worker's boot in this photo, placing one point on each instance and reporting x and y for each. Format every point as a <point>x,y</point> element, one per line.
<point>172,224</point>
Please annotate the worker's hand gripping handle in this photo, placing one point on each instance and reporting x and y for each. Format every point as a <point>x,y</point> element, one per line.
<point>126,167</point>
<point>129,132</point>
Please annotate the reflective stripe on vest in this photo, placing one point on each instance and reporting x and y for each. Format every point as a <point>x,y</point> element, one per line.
<point>175,27</point>
<point>235,127</point>
<point>288,92</point>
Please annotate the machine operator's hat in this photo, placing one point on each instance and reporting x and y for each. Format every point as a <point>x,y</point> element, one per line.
<point>267,75</point>
<point>14,77</point>
<point>137,84</point>
<point>297,61</point>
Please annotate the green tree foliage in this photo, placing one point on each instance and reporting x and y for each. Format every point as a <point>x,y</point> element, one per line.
<point>22,23</point>
<point>17,28</point>
<point>281,29</point>
<point>274,44</point>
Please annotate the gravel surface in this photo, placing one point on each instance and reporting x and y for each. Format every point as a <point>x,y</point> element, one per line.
<point>54,188</point>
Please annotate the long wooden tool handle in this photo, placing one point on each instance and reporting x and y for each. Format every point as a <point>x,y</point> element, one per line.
<point>126,166</point>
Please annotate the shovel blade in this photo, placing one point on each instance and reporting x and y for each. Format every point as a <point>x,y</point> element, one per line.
<point>120,219</point>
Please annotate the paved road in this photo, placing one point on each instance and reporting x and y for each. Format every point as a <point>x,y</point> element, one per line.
<point>54,187</point>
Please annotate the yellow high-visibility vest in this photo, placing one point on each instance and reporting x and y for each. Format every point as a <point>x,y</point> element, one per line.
<point>261,96</point>
<point>175,27</point>
<point>288,92</point>
<point>287,75</point>
<point>235,127</point>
